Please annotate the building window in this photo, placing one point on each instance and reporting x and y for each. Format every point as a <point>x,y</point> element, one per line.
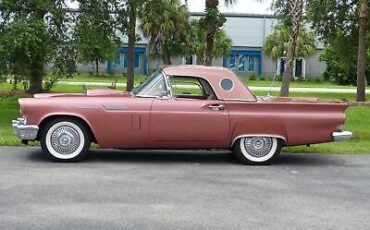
<point>232,63</point>
<point>136,60</point>
<point>242,63</point>
<point>118,59</point>
<point>251,63</point>
<point>189,60</point>
<point>299,67</point>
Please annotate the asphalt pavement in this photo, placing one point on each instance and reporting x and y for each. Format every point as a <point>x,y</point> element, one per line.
<point>182,190</point>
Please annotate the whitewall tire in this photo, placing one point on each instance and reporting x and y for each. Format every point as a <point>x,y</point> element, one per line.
<point>65,139</point>
<point>257,149</point>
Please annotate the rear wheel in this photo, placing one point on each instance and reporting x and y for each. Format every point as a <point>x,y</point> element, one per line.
<point>65,139</point>
<point>257,150</point>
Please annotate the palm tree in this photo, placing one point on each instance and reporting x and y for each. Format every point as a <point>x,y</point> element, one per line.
<point>296,12</point>
<point>196,42</point>
<point>362,47</point>
<point>133,6</point>
<point>211,23</point>
<point>276,45</point>
<point>165,23</point>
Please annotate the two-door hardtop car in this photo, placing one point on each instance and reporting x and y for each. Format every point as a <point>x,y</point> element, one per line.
<point>179,107</point>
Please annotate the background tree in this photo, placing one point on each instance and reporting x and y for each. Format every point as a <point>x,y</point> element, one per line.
<point>196,42</point>
<point>212,23</point>
<point>296,9</point>
<point>30,34</point>
<point>132,9</point>
<point>362,49</point>
<point>94,33</point>
<point>276,44</point>
<point>343,26</point>
<point>165,23</point>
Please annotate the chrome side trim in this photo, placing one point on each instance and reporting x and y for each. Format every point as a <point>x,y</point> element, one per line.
<point>115,107</point>
<point>259,135</point>
<point>24,131</point>
<point>342,135</point>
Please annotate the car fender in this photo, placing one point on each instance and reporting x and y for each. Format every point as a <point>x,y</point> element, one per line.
<point>60,114</point>
<point>259,127</point>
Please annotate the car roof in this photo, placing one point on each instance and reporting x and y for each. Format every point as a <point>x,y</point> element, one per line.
<point>214,75</point>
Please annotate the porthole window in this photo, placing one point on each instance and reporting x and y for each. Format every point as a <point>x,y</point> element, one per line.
<point>227,84</point>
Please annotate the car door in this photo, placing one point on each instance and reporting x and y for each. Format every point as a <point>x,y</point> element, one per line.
<point>189,116</point>
<point>188,120</point>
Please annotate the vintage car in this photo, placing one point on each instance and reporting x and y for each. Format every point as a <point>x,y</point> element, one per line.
<point>179,107</point>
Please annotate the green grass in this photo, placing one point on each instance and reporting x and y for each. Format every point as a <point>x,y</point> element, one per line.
<point>9,109</point>
<point>108,78</point>
<point>77,88</point>
<point>339,96</point>
<point>296,84</point>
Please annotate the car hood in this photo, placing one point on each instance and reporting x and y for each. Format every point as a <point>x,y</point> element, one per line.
<point>92,92</point>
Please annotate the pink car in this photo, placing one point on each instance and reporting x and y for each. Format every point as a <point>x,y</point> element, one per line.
<point>179,107</point>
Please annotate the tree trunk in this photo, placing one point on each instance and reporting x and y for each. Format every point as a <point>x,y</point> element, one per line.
<point>210,4</point>
<point>166,58</point>
<point>131,44</point>
<point>37,68</point>
<point>97,67</point>
<point>209,49</point>
<point>362,47</point>
<point>296,9</point>
<point>36,76</point>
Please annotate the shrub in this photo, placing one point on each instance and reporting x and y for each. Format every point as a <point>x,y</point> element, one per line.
<point>279,78</point>
<point>253,77</point>
<point>4,78</point>
<point>49,82</point>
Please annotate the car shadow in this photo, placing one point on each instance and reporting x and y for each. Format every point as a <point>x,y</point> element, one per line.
<point>192,156</point>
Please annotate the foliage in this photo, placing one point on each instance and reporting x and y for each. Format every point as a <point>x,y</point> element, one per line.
<point>50,81</point>
<point>165,23</point>
<point>30,35</point>
<point>340,69</point>
<point>212,24</point>
<point>125,24</point>
<point>196,42</point>
<point>94,32</point>
<point>291,14</point>
<point>338,23</point>
<point>253,77</point>
<point>276,44</point>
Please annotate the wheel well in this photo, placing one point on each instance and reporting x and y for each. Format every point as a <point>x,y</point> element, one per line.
<point>280,138</point>
<point>50,118</point>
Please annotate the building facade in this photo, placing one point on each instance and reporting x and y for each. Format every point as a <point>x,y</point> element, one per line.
<point>248,33</point>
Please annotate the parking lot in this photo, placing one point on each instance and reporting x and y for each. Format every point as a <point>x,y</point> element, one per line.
<point>182,190</point>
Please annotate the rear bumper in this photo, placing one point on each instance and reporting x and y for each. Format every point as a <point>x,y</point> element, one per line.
<point>342,135</point>
<point>23,131</point>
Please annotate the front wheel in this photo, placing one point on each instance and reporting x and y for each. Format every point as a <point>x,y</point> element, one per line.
<point>257,150</point>
<point>66,140</point>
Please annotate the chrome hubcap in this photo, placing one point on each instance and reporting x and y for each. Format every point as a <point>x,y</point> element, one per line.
<point>258,146</point>
<point>65,140</point>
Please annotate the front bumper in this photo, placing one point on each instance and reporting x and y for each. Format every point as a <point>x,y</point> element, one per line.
<point>342,135</point>
<point>24,131</point>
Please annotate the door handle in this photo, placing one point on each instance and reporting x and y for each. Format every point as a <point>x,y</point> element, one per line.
<point>217,107</point>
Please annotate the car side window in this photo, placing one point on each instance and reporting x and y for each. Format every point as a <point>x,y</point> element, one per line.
<point>191,88</point>
<point>154,87</point>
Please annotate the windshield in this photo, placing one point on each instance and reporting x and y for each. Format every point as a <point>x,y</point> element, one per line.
<point>154,86</point>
